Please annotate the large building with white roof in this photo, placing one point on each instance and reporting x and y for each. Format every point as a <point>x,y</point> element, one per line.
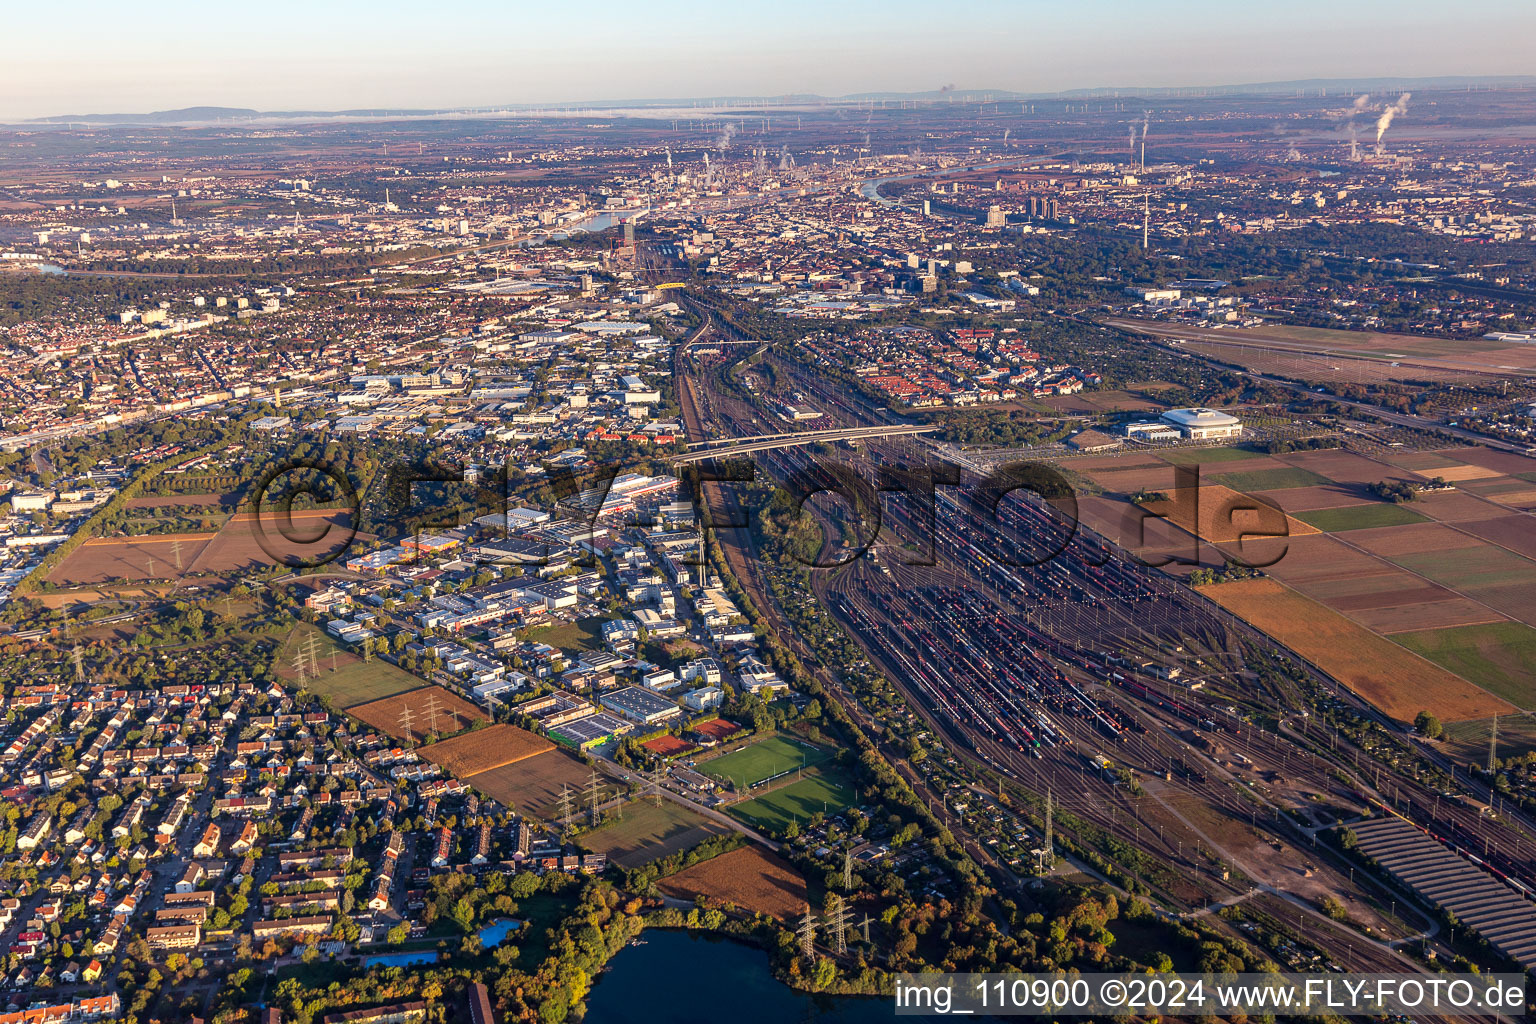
<point>1203,424</point>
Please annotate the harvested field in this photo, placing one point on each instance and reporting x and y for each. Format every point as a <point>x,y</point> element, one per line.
<point>308,534</point>
<point>1137,460</point>
<point>1400,618</point>
<point>748,877</point>
<point>1219,515</point>
<point>647,833</point>
<point>1469,567</point>
<point>1489,458</point>
<point>1395,600</point>
<point>1344,467</point>
<point>668,746</point>
<point>1372,591</point>
<point>1392,678</point>
<point>1359,517</point>
<point>1499,656</point>
<point>1516,533</point>
<point>1129,481</point>
<point>1456,474</point>
<point>101,559</point>
<point>410,715</point>
<point>1517,600</point>
<point>1455,506</point>
<point>337,673</point>
<point>1100,401</point>
<point>1310,499</point>
<point>1321,557</point>
<point>1519,499</point>
<point>1411,538</point>
<point>1423,463</point>
<point>479,750</point>
<point>532,786</point>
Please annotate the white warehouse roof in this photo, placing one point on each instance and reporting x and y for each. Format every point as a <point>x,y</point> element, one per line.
<point>1199,418</point>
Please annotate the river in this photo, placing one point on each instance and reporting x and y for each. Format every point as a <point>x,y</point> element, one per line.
<point>687,978</point>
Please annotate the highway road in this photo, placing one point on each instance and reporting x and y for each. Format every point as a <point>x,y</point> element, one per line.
<point>1402,419</point>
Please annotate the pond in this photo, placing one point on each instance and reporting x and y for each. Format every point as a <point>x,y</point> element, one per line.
<point>688,978</point>
<point>495,933</point>
<point>402,959</point>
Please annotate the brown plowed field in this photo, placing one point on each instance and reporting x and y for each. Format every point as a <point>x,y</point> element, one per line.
<point>131,558</point>
<point>238,545</point>
<point>1391,677</point>
<point>480,750</point>
<point>532,786</point>
<point>1224,514</point>
<point>388,714</point>
<point>749,877</point>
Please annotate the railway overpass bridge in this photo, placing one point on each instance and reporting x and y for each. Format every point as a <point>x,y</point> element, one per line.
<point>726,447</point>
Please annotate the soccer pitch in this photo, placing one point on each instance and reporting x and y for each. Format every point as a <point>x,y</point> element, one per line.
<point>765,759</point>
<point>817,793</point>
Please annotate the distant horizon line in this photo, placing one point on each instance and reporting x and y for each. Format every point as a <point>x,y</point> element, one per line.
<point>215,113</point>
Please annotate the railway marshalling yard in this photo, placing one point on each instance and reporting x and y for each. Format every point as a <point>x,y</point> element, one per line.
<point>1213,786</point>
<point>1223,784</point>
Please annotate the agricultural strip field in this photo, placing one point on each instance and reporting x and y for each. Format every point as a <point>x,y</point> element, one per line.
<point>342,676</point>
<point>1199,456</point>
<point>752,764</point>
<point>648,832</point>
<point>393,714</point>
<point>820,790</point>
<point>1220,515</point>
<point>1498,656</point>
<point>153,556</point>
<point>1271,479</point>
<point>749,877</point>
<point>479,750</point>
<point>532,786</point>
<point>180,501</point>
<point>1470,567</point>
<point>1359,517</point>
<point>1391,677</point>
<point>242,543</point>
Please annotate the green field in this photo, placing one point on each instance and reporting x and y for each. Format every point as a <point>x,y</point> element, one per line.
<point>821,790</point>
<point>647,832</point>
<point>581,635</point>
<point>1359,517</point>
<point>762,760</point>
<point>344,677</point>
<point>1271,479</point>
<point>1195,456</point>
<point>1498,656</point>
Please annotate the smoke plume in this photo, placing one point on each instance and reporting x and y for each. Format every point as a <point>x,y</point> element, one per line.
<point>1385,120</point>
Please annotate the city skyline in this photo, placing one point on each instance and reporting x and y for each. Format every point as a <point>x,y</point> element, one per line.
<point>472,55</point>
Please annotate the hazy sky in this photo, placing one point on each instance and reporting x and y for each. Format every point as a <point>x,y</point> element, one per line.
<point>98,57</point>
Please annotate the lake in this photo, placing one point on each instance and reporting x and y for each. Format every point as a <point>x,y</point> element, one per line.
<point>688,978</point>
